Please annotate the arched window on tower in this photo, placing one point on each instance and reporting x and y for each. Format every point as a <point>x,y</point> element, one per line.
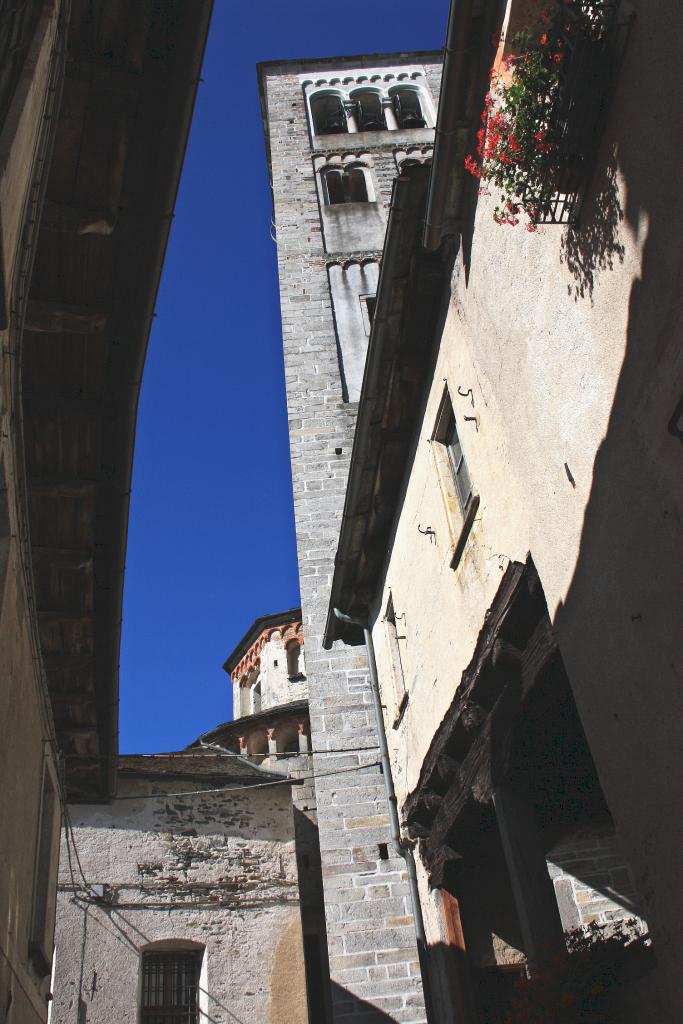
<point>329,116</point>
<point>369,112</point>
<point>245,698</point>
<point>294,660</point>
<point>408,109</point>
<point>256,696</point>
<point>345,185</point>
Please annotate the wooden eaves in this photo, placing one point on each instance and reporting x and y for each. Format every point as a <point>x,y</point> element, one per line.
<point>132,71</point>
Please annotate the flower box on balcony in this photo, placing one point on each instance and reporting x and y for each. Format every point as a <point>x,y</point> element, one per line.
<point>544,116</point>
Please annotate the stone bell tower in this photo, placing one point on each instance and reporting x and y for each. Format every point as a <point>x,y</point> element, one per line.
<point>337,133</point>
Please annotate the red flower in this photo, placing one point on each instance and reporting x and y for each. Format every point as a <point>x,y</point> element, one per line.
<point>544,39</point>
<point>472,166</point>
<point>557,57</point>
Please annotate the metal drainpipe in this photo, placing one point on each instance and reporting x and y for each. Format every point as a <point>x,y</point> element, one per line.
<point>405,851</point>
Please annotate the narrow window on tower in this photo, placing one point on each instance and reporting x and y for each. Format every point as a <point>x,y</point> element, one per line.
<point>329,116</point>
<point>408,109</point>
<point>344,185</point>
<point>368,111</point>
<point>460,500</point>
<point>367,303</point>
<point>351,285</point>
<point>294,660</point>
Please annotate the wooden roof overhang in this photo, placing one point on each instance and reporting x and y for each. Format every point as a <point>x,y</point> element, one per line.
<point>410,299</point>
<point>132,71</point>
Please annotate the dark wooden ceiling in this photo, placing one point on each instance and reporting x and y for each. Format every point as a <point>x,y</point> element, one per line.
<point>131,76</point>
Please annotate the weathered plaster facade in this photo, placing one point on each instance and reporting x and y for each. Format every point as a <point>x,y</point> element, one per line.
<point>371,939</point>
<point>213,871</point>
<point>560,353</point>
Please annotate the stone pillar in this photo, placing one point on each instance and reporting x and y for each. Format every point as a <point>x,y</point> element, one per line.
<point>272,745</point>
<point>532,888</point>
<point>303,739</point>
<point>390,116</point>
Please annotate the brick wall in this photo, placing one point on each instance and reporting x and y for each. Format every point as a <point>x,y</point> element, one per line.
<point>371,938</point>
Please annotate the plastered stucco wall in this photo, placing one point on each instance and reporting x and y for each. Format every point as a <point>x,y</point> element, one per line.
<point>567,347</point>
<point>214,869</point>
<point>27,735</point>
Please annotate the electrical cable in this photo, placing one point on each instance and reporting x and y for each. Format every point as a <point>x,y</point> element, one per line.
<point>70,827</point>
<point>290,780</point>
<point>227,753</point>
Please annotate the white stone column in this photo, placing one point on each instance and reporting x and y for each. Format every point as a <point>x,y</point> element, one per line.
<point>390,116</point>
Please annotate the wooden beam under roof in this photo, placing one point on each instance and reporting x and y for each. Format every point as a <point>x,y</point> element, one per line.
<point>72,558</point>
<point>63,487</point>
<point>63,318</point>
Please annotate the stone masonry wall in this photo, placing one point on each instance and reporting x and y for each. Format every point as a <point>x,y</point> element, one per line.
<point>214,870</point>
<point>371,939</point>
<point>593,882</point>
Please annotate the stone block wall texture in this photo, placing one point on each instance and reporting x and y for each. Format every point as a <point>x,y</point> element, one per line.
<point>216,870</point>
<point>370,931</point>
<point>593,882</point>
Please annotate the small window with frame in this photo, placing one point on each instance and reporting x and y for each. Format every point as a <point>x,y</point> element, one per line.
<point>170,983</point>
<point>459,496</point>
<point>367,308</point>
<point>395,660</point>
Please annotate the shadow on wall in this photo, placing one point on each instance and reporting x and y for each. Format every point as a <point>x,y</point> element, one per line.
<point>619,627</point>
<point>593,246</point>
<point>347,1007</point>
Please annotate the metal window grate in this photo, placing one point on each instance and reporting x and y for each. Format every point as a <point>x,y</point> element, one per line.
<point>593,35</point>
<point>169,988</point>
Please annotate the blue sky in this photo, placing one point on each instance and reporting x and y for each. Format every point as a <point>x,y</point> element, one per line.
<point>211,535</point>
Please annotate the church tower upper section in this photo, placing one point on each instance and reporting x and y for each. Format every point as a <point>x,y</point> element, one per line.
<point>267,667</point>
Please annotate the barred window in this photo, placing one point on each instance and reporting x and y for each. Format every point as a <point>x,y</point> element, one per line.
<point>170,982</point>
